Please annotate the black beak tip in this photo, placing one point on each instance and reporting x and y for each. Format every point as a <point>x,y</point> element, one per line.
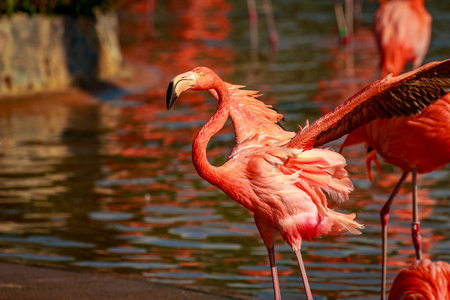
<point>170,96</point>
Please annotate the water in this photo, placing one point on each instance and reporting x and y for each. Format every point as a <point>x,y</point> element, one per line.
<point>109,186</point>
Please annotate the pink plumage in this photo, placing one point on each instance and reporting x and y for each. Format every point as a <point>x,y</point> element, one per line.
<point>392,139</point>
<point>417,144</point>
<point>424,280</point>
<point>277,174</point>
<point>403,32</point>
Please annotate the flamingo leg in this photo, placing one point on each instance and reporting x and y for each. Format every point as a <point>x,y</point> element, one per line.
<point>415,226</point>
<point>254,40</point>
<point>358,4</point>
<point>340,18</point>
<point>304,277</point>
<point>349,16</point>
<point>273,270</point>
<point>268,235</point>
<point>384,216</point>
<point>267,4</point>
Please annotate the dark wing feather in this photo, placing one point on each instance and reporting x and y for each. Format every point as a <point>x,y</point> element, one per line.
<point>403,95</point>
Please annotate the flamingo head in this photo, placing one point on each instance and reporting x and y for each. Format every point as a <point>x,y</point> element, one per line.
<point>198,79</point>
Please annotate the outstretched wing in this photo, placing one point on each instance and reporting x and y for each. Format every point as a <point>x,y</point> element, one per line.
<point>402,95</point>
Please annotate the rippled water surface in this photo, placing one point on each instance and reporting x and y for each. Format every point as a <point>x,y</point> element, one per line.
<point>109,185</point>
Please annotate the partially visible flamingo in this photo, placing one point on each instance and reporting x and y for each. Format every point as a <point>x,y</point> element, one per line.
<point>419,144</point>
<point>403,32</point>
<point>423,280</point>
<point>277,174</point>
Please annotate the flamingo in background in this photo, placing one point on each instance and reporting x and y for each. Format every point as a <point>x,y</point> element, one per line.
<point>423,280</point>
<point>419,144</point>
<point>278,175</point>
<point>403,33</point>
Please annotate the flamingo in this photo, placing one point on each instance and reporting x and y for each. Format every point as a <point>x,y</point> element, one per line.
<point>423,280</point>
<point>393,141</point>
<point>279,175</point>
<point>403,33</point>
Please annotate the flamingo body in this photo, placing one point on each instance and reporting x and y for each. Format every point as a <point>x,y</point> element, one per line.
<point>417,144</point>
<point>420,142</point>
<point>282,186</point>
<point>423,280</point>
<point>403,32</point>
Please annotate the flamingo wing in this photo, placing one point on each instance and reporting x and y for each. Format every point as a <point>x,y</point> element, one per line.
<point>402,95</point>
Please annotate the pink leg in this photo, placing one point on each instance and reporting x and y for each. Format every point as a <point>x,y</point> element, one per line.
<point>273,270</point>
<point>417,239</point>
<point>268,234</point>
<point>271,23</point>
<point>384,215</point>
<point>341,22</point>
<point>349,17</point>
<point>304,277</point>
<point>254,41</point>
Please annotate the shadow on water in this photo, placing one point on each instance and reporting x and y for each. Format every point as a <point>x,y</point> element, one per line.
<point>110,186</point>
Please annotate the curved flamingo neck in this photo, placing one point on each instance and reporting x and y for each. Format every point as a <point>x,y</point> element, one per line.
<point>200,160</point>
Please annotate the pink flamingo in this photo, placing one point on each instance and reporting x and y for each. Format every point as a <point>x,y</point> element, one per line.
<point>418,144</point>
<point>278,175</point>
<point>423,280</point>
<point>403,33</point>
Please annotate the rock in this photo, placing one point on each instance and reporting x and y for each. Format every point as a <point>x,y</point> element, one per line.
<point>47,53</point>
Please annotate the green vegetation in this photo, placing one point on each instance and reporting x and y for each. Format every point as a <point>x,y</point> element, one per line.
<point>51,7</point>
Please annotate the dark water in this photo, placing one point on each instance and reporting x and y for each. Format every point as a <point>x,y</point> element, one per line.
<point>109,186</point>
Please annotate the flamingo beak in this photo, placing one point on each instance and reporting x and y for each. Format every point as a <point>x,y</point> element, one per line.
<point>178,85</point>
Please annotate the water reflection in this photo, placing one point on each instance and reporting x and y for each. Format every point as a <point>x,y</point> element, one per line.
<point>110,186</point>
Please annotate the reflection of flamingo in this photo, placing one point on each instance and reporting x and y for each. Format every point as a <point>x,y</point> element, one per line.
<point>403,32</point>
<point>423,280</point>
<point>415,144</point>
<point>277,174</point>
